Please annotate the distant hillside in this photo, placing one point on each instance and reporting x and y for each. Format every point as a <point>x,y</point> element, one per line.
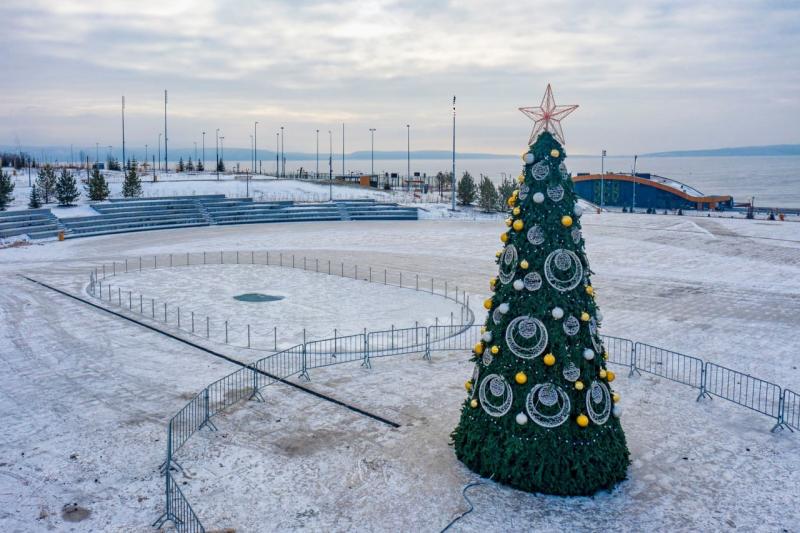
<point>772,149</point>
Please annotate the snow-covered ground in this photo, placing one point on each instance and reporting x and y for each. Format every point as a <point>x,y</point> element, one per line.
<point>85,396</point>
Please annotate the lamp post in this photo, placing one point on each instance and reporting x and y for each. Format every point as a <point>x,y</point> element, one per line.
<point>408,154</point>
<point>634,182</point>
<point>372,153</point>
<point>453,177</point>
<point>166,139</point>
<point>145,155</point>
<point>216,164</point>
<point>317,174</point>
<point>342,150</point>
<point>204,151</point>
<point>255,145</point>
<point>330,166</point>
<point>124,161</point>
<point>602,179</point>
<point>283,157</point>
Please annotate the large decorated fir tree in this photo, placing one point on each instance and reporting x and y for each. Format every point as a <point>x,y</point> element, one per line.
<point>541,415</point>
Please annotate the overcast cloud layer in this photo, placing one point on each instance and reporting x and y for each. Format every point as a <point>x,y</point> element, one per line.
<point>648,75</point>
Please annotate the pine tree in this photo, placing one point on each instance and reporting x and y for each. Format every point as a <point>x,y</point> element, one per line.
<point>540,414</point>
<point>487,195</point>
<point>200,166</point>
<point>97,186</point>
<point>34,202</point>
<point>190,166</point>
<point>66,188</point>
<point>504,192</point>
<point>46,181</point>
<point>6,188</point>
<point>220,165</point>
<point>466,189</point>
<point>181,166</point>
<point>132,186</point>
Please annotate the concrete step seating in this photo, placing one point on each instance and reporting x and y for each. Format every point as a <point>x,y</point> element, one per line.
<point>35,223</point>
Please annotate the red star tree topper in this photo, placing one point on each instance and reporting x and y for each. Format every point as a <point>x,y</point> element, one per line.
<point>548,116</point>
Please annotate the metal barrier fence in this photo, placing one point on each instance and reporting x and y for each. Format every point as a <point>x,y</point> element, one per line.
<point>712,380</point>
<point>248,336</point>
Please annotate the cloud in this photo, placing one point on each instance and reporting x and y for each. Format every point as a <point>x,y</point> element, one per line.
<point>629,63</point>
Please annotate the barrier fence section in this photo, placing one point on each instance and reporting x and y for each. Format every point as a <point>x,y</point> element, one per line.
<point>712,380</point>
<point>255,337</point>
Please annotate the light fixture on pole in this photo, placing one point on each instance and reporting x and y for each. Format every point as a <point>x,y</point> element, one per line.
<point>453,177</point>
<point>372,153</point>
<point>602,179</point>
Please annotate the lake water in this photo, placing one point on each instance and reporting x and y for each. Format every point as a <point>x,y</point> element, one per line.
<point>773,181</point>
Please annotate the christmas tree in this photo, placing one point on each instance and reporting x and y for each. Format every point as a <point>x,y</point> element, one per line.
<point>541,415</point>
<point>34,201</point>
<point>97,186</point>
<point>6,190</point>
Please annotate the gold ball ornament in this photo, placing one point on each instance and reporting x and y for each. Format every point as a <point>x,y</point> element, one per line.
<point>511,201</point>
<point>589,290</point>
<point>549,359</point>
<point>487,304</point>
<point>521,178</point>
<point>554,153</point>
<point>602,373</point>
<point>504,237</point>
<point>516,211</point>
<point>610,376</point>
<point>521,378</point>
<point>473,403</point>
<point>518,225</point>
<point>615,397</point>
<point>523,264</point>
<point>495,350</point>
<point>585,316</point>
<point>498,253</point>
<point>582,421</point>
<point>566,221</point>
<point>478,349</point>
<point>468,385</point>
<point>579,385</point>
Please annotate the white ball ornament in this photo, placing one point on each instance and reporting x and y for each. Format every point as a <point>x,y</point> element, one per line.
<point>578,210</point>
<point>528,158</point>
<point>617,411</point>
<point>521,419</point>
<point>518,285</point>
<point>588,354</point>
<point>538,197</point>
<point>557,313</point>
<point>503,308</point>
<point>598,315</point>
<point>487,337</point>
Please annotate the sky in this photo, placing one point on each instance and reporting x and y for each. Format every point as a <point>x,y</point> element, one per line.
<point>648,75</point>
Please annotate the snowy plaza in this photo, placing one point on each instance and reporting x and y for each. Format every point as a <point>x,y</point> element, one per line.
<point>87,394</point>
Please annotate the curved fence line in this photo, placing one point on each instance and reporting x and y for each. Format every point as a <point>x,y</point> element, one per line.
<point>711,380</point>
<point>246,336</point>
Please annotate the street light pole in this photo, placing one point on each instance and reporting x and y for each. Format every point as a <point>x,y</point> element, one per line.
<point>453,177</point>
<point>166,139</point>
<point>330,166</point>
<point>317,175</point>
<point>283,157</point>
<point>408,160</point>
<point>204,151</point>
<point>145,155</point>
<point>342,150</point>
<point>124,161</point>
<point>634,182</point>
<point>372,152</point>
<point>255,145</point>
<point>602,179</point>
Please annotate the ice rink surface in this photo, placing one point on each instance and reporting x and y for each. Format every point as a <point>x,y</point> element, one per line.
<point>85,396</point>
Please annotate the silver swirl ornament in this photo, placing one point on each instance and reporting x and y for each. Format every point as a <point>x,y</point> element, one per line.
<point>598,403</point>
<point>526,337</point>
<point>576,235</point>
<point>548,405</point>
<point>536,235</point>
<point>496,401</point>
<point>508,264</point>
<point>571,373</point>
<point>563,270</point>
<point>571,326</point>
<point>532,281</point>
<point>596,343</point>
<point>497,316</point>
<point>475,375</point>
<point>556,194</point>
<point>540,170</point>
<point>524,190</point>
<point>562,169</point>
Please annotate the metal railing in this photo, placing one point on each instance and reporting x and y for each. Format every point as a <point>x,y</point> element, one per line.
<point>712,380</point>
